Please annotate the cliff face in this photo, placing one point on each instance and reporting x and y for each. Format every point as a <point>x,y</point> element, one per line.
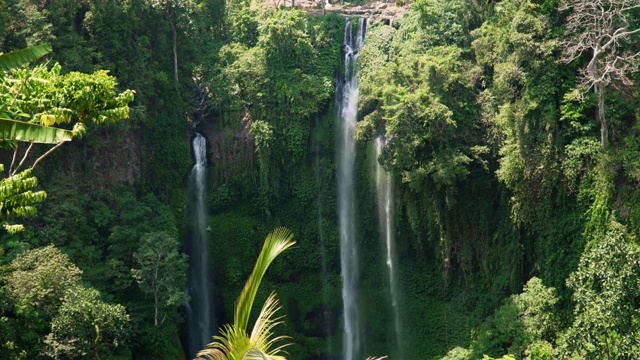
<point>105,159</point>
<point>118,158</point>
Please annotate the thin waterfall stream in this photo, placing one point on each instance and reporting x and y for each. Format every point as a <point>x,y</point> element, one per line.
<point>199,310</point>
<point>384,191</point>
<point>347,93</point>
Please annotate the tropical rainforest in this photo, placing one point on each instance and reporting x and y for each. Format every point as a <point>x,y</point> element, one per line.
<point>513,144</point>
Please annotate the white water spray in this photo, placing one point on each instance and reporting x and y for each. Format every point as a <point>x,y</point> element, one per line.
<point>348,92</point>
<point>199,314</point>
<point>384,187</point>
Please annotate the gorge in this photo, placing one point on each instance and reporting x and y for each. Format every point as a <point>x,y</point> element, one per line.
<point>448,192</point>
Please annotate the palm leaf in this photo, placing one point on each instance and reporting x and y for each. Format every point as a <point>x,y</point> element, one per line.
<point>233,341</point>
<point>266,321</point>
<point>212,354</point>
<point>23,131</point>
<point>21,57</point>
<point>255,354</point>
<point>276,242</point>
<point>262,333</point>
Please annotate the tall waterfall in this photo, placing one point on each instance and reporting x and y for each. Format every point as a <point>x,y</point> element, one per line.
<point>348,98</point>
<point>199,313</point>
<point>384,187</point>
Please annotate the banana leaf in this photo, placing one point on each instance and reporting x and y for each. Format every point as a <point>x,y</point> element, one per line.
<point>23,131</point>
<point>21,57</point>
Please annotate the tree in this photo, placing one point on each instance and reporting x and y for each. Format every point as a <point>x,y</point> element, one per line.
<point>412,107</point>
<point>519,104</point>
<point>40,279</point>
<point>43,97</point>
<point>16,197</point>
<point>46,97</point>
<point>177,13</point>
<point>525,321</point>
<point>85,326</point>
<point>161,273</point>
<point>234,341</point>
<point>605,293</point>
<point>601,28</point>
<point>44,295</point>
<point>34,286</point>
<point>446,22</point>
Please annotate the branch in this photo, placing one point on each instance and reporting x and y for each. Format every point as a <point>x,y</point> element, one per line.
<point>15,152</point>
<point>47,154</point>
<point>22,83</point>
<point>24,157</point>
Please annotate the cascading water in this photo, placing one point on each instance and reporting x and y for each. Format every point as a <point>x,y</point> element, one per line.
<point>384,190</point>
<point>199,314</point>
<point>348,95</point>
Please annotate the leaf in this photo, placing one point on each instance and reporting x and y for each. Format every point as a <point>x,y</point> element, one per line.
<point>22,131</point>
<point>262,333</point>
<point>255,354</point>
<point>233,341</point>
<point>276,242</point>
<point>21,57</point>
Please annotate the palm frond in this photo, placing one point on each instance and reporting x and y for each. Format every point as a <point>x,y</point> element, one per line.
<point>234,343</point>
<point>255,354</point>
<point>276,242</point>
<point>230,342</point>
<point>262,333</point>
<point>212,354</point>
<point>21,57</point>
<point>23,131</point>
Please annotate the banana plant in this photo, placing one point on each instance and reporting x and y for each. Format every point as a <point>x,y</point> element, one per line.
<point>17,189</point>
<point>234,341</point>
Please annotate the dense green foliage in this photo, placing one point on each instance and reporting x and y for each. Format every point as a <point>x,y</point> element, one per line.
<point>516,229</point>
<point>484,105</point>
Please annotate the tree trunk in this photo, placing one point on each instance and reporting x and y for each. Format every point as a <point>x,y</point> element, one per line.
<point>175,48</point>
<point>155,290</point>
<point>604,129</point>
<point>155,300</point>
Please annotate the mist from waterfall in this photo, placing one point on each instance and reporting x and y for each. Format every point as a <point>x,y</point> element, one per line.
<point>348,98</point>
<point>199,310</point>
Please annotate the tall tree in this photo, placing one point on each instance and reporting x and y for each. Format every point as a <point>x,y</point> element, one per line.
<point>602,29</point>
<point>177,13</point>
<point>161,273</point>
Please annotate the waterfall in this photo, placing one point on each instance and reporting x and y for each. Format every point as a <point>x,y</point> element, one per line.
<point>384,190</point>
<point>199,313</point>
<point>347,93</point>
